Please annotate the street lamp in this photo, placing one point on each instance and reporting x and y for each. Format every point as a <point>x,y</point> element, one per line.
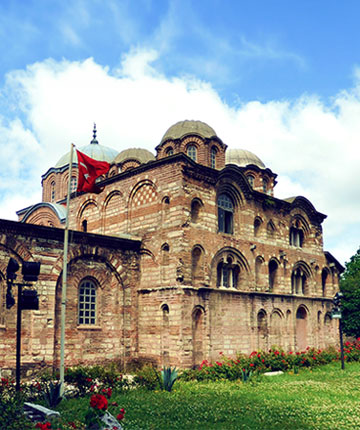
<point>336,314</point>
<point>27,299</point>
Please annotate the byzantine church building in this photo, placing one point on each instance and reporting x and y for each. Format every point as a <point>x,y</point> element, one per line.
<point>182,255</point>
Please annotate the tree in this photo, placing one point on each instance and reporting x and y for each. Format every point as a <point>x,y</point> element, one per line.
<point>350,303</point>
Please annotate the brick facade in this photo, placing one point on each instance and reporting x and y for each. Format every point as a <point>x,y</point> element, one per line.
<point>223,265</point>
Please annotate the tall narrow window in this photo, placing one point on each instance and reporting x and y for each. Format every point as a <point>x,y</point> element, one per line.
<point>87,302</point>
<point>250,178</point>
<point>265,185</point>
<point>273,267</point>
<point>296,237</point>
<point>213,153</point>
<point>191,152</point>
<point>73,184</point>
<point>2,301</point>
<point>298,282</point>
<point>53,191</point>
<point>228,274</point>
<point>225,214</point>
<point>84,226</point>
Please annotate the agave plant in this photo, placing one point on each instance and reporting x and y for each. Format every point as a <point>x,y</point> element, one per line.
<point>246,375</point>
<point>169,376</point>
<point>52,395</point>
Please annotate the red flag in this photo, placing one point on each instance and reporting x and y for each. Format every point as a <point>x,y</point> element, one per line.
<point>89,171</point>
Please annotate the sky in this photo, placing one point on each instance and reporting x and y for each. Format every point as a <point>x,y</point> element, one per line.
<point>279,78</point>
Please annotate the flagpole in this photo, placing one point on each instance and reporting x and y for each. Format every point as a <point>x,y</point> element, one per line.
<point>64,279</point>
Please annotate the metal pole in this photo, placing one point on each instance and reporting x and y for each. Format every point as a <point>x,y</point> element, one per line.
<point>18,339</point>
<point>341,345</point>
<point>64,280</point>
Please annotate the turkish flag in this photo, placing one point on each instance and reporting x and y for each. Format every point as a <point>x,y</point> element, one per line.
<point>89,171</point>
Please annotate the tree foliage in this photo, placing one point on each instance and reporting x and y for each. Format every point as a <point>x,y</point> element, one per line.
<point>350,304</point>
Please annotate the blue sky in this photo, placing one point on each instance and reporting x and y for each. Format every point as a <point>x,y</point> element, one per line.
<point>279,78</point>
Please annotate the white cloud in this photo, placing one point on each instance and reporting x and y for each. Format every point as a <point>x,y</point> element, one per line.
<point>312,146</point>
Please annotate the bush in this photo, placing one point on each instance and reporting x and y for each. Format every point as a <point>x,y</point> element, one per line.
<point>12,414</point>
<point>148,377</point>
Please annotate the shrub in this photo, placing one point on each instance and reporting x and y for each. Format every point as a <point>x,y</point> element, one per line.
<point>148,377</point>
<point>12,414</point>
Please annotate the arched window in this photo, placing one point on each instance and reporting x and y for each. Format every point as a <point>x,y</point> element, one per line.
<point>191,152</point>
<point>73,184</point>
<point>195,210</point>
<point>225,214</point>
<point>251,179</point>
<point>2,301</point>
<point>169,151</point>
<point>324,281</point>
<point>259,262</point>
<point>262,330</point>
<point>165,250</point>
<point>53,191</point>
<point>296,237</point>
<point>298,281</point>
<point>165,334</point>
<point>227,274</point>
<point>257,224</point>
<point>213,153</point>
<point>273,268</point>
<point>87,302</point>
<point>84,226</point>
<point>265,183</point>
<point>196,264</point>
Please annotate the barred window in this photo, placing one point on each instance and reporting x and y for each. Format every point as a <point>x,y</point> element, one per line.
<point>225,214</point>
<point>87,302</point>
<point>73,184</point>
<point>213,157</point>
<point>191,152</point>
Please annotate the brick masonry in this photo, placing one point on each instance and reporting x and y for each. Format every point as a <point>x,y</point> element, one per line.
<point>172,288</point>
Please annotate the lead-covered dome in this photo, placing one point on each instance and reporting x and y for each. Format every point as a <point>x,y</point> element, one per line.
<point>184,128</point>
<point>139,154</point>
<point>93,150</point>
<point>242,158</point>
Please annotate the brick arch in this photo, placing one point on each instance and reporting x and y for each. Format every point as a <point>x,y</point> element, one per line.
<point>276,327</point>
<point>86,210</point>
<point>143,205</point>
<point>44,216</point>
<point>110,277</point>
<point>302,271</point>
<point>110,214</point>
<point>198,334</point>
<point>238,259</point>
<point>302,323</point>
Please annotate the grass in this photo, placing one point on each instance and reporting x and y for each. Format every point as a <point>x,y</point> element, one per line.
<point>324,398</point>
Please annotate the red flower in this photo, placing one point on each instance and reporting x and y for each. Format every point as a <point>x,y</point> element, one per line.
<point>98,401</point>
<point>72,424</point>
<point>107,392</point>
<point>88,380</point>
<point>252,365</point>
<point>45,426</point>
<point>218,363</point>
<point>263,361</point>
<point>121,415</point>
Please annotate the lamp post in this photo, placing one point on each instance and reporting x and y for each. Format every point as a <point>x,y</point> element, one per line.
<point>336,314</point>
<point>26,299</point>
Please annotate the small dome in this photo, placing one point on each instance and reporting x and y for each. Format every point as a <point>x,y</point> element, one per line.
<point>139,154</point>
<point>242,158</point>
<point>93,150</point>
<point>183,128</point>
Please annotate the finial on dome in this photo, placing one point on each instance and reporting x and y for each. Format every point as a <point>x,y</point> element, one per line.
<point>94,135</point>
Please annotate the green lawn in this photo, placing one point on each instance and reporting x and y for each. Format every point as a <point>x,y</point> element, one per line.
<point>325,398</point>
